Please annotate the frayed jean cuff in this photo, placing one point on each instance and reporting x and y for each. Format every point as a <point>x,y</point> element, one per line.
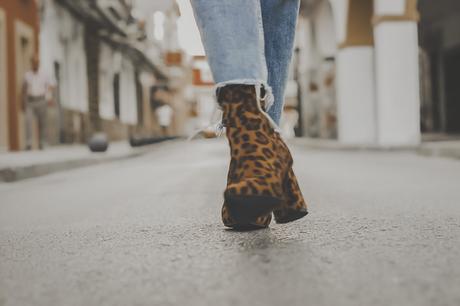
<point>268,98</point>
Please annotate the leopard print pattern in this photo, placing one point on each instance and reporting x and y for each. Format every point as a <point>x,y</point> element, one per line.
<point>229,221</point>
<point>260,164</point>
<point>293,207</point>
<point>260,159</point>
<point>256,168</point>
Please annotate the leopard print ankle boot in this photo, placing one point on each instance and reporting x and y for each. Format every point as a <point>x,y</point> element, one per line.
<point>258,163</point>
<point>292,208</point>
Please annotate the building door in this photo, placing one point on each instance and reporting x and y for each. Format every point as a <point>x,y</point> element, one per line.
<point>452,90</point>
<point>3,85</point>
<point>439,36</point>
<point>24,51</point>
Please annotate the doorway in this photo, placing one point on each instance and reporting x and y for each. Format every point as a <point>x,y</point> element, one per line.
<point>3,85</point>
<point>439,37</point>
<point>25,48</point>
<point>452,90</point>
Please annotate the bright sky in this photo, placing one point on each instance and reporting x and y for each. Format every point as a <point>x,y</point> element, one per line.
<point>189,36</point>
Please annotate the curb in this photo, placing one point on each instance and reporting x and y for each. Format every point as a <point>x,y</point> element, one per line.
<point>13,174</point>
<point>18,173</point>
<point>441,152</point>
<point>440,149</point>
<point>326,144</point>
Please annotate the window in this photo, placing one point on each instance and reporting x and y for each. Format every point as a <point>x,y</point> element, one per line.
<point>116,94</point>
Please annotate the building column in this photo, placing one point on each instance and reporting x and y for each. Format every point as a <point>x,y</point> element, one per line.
<point>397,72</point>
<point>355,72</point>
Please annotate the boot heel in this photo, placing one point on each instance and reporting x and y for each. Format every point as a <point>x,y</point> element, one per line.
<point>293,206</point>
<point>259,223</point>
<point>251,198</point>
<point>247,209</point>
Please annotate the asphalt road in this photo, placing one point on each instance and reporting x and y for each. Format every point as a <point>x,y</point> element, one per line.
<point>383,229</point>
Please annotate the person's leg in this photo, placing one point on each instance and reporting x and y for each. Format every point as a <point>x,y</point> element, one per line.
<point>41,114</point>
<point>279,22</point>
<point>29,125</point>
<point>233,38</point>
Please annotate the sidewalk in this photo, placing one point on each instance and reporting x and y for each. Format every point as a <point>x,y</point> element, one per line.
<point>445,148</point>
<point>449,149</point>
<point>22,165</point>
<point>15,166</point>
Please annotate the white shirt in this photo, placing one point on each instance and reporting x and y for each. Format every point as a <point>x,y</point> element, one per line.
<point>164,114</point>
<point>37,84</point>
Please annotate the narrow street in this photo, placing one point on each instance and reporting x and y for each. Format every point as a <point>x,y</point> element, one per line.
<point>383,229</point>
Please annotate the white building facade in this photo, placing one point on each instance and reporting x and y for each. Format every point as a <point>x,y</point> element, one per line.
<point>98,55</point>
<point>366,52</point>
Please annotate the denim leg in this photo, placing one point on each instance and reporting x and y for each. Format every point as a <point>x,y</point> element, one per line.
<point>279,23</point>
<point>233,38</point>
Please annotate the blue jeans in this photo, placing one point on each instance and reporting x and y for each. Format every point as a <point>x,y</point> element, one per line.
<point>249,42</point>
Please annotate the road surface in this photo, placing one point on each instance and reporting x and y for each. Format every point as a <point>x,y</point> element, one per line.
<point>383,229</point>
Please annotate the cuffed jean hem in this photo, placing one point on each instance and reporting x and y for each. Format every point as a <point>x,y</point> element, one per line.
<point>269,99</point>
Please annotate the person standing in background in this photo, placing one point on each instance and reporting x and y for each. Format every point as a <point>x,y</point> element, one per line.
<point>37,92</point>
<point>164,114</point>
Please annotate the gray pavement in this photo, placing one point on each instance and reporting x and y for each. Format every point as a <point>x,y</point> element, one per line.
<point>15,166</point>
<point>384,229</point>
